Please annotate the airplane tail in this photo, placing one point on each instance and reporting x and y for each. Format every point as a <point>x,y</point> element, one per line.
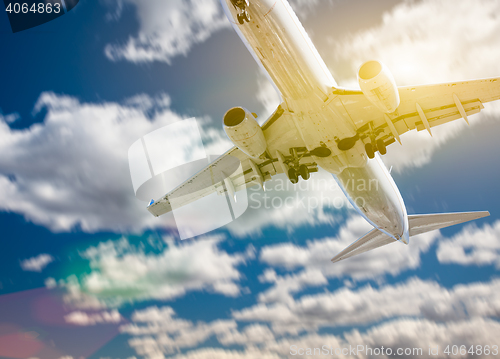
<point>418,223</point>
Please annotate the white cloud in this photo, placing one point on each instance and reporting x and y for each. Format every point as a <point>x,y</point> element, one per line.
<point>162,332</point>
<point>76,298</point>
<point>460,317</point>
<point>168,29</point>
<point>403,333</point>
<point>316,254</point>
<point>213,353</point>
<point>287,206</point>
<point>71,170</point>
<point>85,319</point>
<point>284,286</point>
<point>9,118</point>
<point>303,7</point>
<point>268,96</point>
<point>76,173</point>
<point>347,307</point>
<point>50,283</point>
<point>478,246</point>
<point>37,264</point>
<point>420,49</point>
<point>171,28</point>
<point>251,334</point>
<point>121,272</point>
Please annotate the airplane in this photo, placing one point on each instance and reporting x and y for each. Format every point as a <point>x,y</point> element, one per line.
<point>320,124</point>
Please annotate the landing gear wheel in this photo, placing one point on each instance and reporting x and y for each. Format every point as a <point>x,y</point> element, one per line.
<point>293,175</point>
<point>370,151</point>
<point>381,147</point>
<point>240,19</point>
<point>304,172</point>
<point>246,16</point>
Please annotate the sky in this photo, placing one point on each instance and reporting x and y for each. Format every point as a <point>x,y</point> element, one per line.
<point>87,272</point>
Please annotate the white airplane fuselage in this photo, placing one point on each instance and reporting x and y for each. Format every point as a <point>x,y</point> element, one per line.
<point>280,45</point>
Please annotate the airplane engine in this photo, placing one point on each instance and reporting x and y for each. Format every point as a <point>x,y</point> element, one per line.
<point>244,131</point>
<point>378,86</point>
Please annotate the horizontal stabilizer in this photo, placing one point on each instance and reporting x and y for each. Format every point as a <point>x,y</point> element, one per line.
<point>422,223</point>
<point>419,223</point>
<point>369,241</point>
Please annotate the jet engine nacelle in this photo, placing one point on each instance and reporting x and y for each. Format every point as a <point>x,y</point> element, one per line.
<point>379,86</point>
<point>244,131</point>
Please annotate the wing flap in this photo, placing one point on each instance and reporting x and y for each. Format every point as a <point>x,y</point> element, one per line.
<point>233,165</point>
<point>436,101</point>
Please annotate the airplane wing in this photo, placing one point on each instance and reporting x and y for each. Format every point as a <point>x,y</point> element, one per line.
<point>234,170</point>
<point>422,107</point>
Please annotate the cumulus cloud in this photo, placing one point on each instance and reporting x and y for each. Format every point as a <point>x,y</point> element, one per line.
<point>304,7</point>
<point>85,319</point>
<point>9,118</point>
<point>171,28</point>
<point>287,206</point>
<point>37,264</point>
<point>50,283</point>
<point>160,332</point>
<point>402,333</point>
<point>347,307</point>
<point>284,286</point>
<point>168,29</point>
<point>422,49</point>
<point>71,171</point>
<point>268,95</point>
<point>76,174</point>
<point>316,254</point>
<point>463,315</point>
<point>472,246</point>
<point>122,272</point>
<point>214,353</point>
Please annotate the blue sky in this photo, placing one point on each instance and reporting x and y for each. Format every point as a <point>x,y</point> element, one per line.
<point>86,271</point>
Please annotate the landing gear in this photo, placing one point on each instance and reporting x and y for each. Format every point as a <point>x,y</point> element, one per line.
<point>244,16</point>
<point>375,145</point>
<point>242,6</point>
<point>378,145</point>
<point>293,176</point>
<point>304,172</point>
<point>381,147</point>
<point>291,164</point>
<point>370,151</point>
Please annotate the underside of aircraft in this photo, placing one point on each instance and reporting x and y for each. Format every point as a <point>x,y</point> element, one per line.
<point>320,124</point>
